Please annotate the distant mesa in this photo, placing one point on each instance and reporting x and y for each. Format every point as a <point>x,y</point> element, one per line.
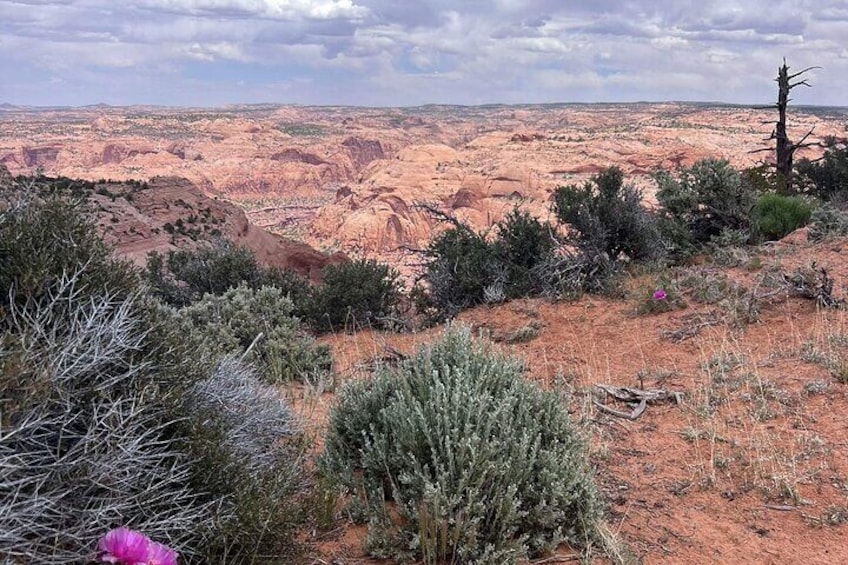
<point>117,153</point>
<point>526,137</point>
<point>44,156</point>
<point>292,155</point>
<point>364,151</point>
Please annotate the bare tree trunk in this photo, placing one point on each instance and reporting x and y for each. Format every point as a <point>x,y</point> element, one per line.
<point>785,149</point>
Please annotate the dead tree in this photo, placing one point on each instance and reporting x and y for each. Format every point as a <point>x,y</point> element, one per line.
<point>785,148</point>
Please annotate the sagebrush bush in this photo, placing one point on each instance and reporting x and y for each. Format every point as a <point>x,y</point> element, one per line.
<point>461,265</point>
<point>355,294</point>
<point>184,276</point>
<point>481,465</point>
<point>701,202</point>
<point>777,216</point>
<point>86,439</point>
<point>45,236</point>
<point>827,221</point>
<point>606,216</point>
<point>827,178</point>
<point>250,451</point>
<point>259,324</point>
<point>522,243</point>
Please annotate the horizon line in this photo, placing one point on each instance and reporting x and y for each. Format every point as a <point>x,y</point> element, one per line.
<point>5,106</point>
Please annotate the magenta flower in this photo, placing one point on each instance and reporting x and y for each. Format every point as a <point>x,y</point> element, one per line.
<point>660,295</point>
<point>124,546</point>
<point>159,554</point>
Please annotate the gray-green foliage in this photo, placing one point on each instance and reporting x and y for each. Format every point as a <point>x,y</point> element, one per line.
<point>483,466</point>
<point>702,201</point>
<point>827,221</point>
<point>250,451</point>
<point>606,216</point>
<point>86,437</point>
<point>86,428</point>
<point>231,322</point>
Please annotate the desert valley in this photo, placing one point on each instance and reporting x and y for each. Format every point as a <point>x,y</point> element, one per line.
<point>745,460</point>
<point>349,179</point>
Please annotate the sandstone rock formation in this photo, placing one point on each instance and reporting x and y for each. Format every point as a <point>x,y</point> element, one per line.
<point>172,213</point>
<point>350,178</point>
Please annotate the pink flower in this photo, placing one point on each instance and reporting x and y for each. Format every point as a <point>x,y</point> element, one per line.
<point>159,554</point>
<point>660,295</point>
<point>124,546</point>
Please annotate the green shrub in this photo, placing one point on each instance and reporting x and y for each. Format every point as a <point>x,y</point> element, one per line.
<point>703,201</point>
<point>461,265</point>
<point>607,217</point>
<point>465,269</point>
<point>777,216</point>
<point>522,243</point>
<point>482,466</point>
<point>361,293</point>
<point>292,285</point>
<point>250,452</point>
<point>258,324</point>
<point>185,276</point>
<point>827,178</point>
<point>44,237</point>
<point>827,221</point>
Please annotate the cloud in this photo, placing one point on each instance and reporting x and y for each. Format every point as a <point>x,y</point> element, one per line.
<point>414,52</point>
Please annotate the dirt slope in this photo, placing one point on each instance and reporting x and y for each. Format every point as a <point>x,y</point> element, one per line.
<point>751,467</point>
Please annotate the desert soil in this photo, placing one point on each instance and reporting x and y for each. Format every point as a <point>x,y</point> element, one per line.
<point>751,466</point>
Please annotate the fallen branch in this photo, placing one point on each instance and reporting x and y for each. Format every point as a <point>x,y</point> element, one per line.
<point>637,398</point>
<point>638,411</point>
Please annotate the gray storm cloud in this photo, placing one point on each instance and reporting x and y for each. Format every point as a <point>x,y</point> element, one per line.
<point>386,52</point>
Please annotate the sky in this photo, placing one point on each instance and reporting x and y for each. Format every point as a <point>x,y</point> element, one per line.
<point>414,52</point>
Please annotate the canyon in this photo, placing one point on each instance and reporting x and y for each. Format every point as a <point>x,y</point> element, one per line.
<point>352,180</point>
